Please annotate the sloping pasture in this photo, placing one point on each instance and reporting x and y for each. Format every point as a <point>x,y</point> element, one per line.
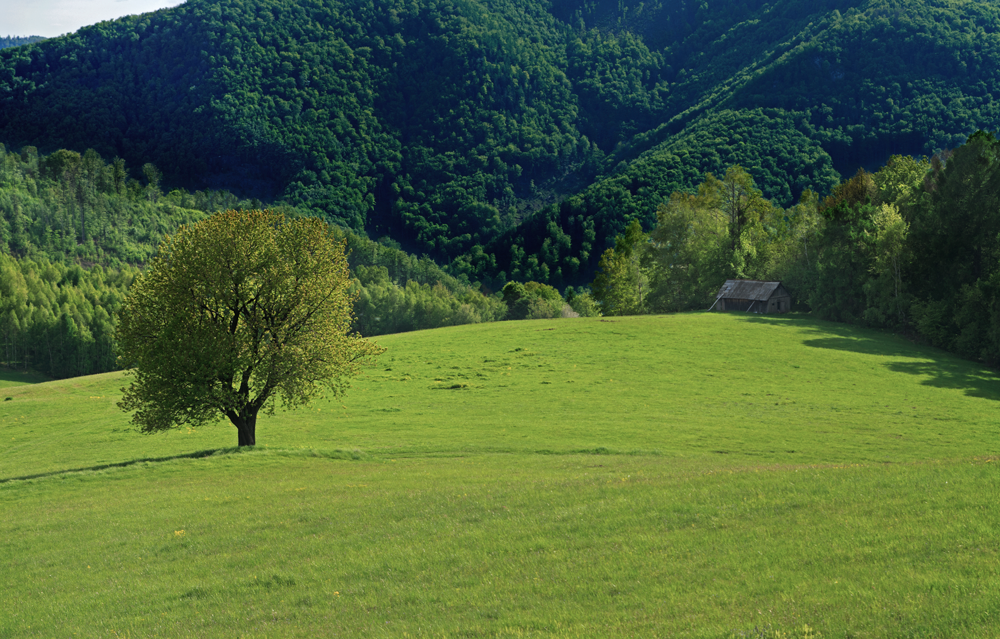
<point>698,475</point>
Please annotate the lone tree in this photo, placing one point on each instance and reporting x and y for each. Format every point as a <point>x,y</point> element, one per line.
<point>235,313</point>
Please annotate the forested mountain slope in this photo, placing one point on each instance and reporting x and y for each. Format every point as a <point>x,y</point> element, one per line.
<point>75,231</point>
<point>513,139</point>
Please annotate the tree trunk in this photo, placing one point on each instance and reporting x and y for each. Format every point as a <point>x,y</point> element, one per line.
<point>247,432</point>
<point>246,427</point>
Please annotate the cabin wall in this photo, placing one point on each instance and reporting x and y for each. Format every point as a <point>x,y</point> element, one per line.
<point>777,304</point>
<point>726,304</point>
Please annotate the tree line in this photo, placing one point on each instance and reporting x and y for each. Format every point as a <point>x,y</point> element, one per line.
<point>58,319</point>
<point>75,230</point>
<point>912,247</point>
<point>508,140</point>
<point>16,41</point>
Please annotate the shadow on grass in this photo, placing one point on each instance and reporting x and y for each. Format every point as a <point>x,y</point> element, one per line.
<point>942,369</point>
<point>11,377</point>
<point>961,375</point>
<point>337,454</point>
<point>196,455</point>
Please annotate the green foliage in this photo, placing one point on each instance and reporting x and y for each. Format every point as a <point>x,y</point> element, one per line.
<point>16,41</point>
<point>582,302</point>
<point>69,210</point>
<point>621,284</point>
<point>955,238</point>
<point>727,230</point>
<point>70,207</point>
<point>852,263</point>
<point>886,294</point>
<point>73,231</point>
<point>909,78</point>
<point>532,300</point>
<point>846,259</point>
<point>235,313</point>
<point>617,81</point>
<point>397,292</point>
<point>385,305</point>
<point>685,255</point>
<point>563,243</point>
<point>911,247</point>
<point>59,319</point>
<point>442,111</point>
<point>513,140</point>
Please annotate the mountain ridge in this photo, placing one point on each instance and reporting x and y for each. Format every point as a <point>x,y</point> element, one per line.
<point>472,131</point>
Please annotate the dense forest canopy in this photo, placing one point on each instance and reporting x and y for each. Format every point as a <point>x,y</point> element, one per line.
<point>507,140</point>
<point>75,230</point>
<point>649,150</point>
<point>912,247</point>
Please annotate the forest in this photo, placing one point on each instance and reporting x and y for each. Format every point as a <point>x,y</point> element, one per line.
<point>492,159</point>
<point>76,230</point>
<point>912,248</point>
<point>507,140</point>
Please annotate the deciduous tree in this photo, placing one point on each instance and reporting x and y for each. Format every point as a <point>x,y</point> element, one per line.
<point>621,282</point>
<point>688,250</point>
<point>236,313</point>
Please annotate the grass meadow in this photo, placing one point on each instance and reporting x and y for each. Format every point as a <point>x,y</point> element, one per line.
<point>691,475</point>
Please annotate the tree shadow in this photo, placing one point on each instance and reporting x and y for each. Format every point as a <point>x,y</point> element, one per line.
<point>942,369</point>
<point>11,377</point>
<point>132,462</point>
<point>975,381</point>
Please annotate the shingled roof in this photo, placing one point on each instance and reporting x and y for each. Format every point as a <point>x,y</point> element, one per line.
<point>748,290</point>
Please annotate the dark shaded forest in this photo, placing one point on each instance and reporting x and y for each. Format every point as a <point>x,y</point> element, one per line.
<point>76,230</point>
<point>507,140</point>
<point>525,150</point>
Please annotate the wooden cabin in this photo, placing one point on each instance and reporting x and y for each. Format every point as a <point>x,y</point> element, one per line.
<point>753,296</point>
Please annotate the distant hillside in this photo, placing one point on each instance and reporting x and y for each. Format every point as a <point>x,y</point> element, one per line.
<point>16,41</point>
<point>75,231</point>
<point>478,131</point>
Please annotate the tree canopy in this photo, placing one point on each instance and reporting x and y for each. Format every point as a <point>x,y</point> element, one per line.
<point>236,313</point>
<point>507,139</point>
<point>912,247</point>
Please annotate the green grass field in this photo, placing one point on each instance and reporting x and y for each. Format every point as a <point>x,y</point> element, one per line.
<point>696,475</point>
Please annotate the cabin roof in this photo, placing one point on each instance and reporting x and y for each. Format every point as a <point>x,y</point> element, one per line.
<point>748,290</point>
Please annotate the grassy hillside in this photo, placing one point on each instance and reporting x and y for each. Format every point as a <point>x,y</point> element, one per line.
<point>693,475</point>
